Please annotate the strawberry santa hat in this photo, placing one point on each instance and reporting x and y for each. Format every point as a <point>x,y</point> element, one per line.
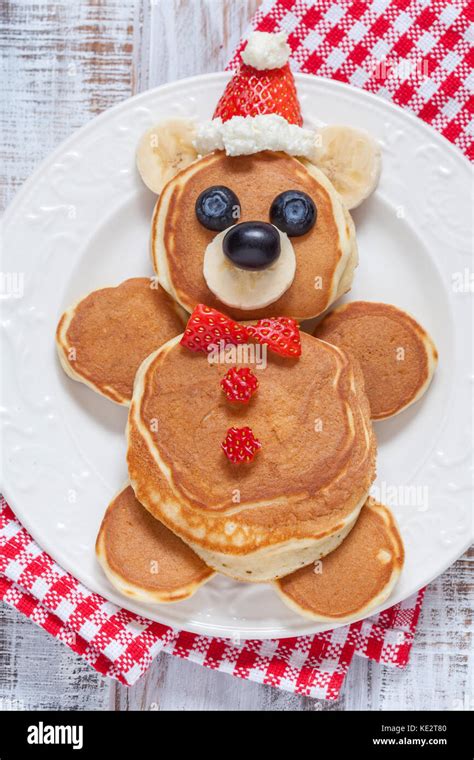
<point>259,109</point>
<point>264,83</point>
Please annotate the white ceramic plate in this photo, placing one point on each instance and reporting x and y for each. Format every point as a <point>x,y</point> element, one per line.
<point>82,221</point>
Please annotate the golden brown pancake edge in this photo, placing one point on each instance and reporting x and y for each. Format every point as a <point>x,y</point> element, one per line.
<point>111,330</point>
<point>374,333</point>
<point>359,575</point>
<point>319,253</point>
<point>142,558</point>
<point>274,522</point>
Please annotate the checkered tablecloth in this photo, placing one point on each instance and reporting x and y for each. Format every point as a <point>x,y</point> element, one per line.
<point>416,54</point>
<point>122,645</point>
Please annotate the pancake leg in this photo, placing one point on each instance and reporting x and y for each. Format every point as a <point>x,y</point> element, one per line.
<point>359,575</point>
<point>142,558</point>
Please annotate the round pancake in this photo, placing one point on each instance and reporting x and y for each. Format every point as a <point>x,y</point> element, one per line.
<point>325,256</point>
<point>103,339</point>
<point>306,486</point>
<point>143,559</point>
<point>359,575</point>
<point>396,355</point>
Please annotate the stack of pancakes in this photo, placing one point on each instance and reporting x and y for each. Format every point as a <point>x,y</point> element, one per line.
<point>302,494</point>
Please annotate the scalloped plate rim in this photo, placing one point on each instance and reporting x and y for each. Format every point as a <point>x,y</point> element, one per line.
<point>307,628</point>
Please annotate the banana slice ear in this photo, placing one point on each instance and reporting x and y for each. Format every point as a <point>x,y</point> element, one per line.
<point>351,159</point>
<point>164,150</point>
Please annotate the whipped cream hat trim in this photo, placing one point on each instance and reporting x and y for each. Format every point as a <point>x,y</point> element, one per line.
<point>244,135</point>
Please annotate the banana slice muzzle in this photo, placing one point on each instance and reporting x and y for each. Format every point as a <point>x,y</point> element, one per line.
<point>245,289</point>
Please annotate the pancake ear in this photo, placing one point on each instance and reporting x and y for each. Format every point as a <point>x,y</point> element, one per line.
<point>351,159</point>
<point>164,150</point>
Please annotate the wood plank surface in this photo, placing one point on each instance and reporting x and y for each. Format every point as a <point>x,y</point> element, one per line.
<point>63,63</point>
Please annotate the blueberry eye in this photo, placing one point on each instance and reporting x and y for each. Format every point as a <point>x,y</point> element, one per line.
<point>217,208</point>
<point>293,212</point>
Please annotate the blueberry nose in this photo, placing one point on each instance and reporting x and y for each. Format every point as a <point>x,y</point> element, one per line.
<point>252,245</point>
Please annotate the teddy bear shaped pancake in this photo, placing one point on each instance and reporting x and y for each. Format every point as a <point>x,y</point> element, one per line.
<point>250,446</point>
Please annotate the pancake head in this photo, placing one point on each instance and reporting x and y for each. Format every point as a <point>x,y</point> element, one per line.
<point>325,256</point>
<point>359,575</point>
<point>104,337</point>
<point>307,484</point>
<point>396,355</point>
<point>142,558</point>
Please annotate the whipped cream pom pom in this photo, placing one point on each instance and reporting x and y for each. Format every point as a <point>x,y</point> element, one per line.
<point>266,50</point>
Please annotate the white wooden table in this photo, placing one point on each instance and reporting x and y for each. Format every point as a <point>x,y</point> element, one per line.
<point>66,62</point>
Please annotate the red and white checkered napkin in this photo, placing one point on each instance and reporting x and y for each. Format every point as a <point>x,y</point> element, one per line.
<point>366,44</point>
<point>416,53</point>
<point>122,645</point>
